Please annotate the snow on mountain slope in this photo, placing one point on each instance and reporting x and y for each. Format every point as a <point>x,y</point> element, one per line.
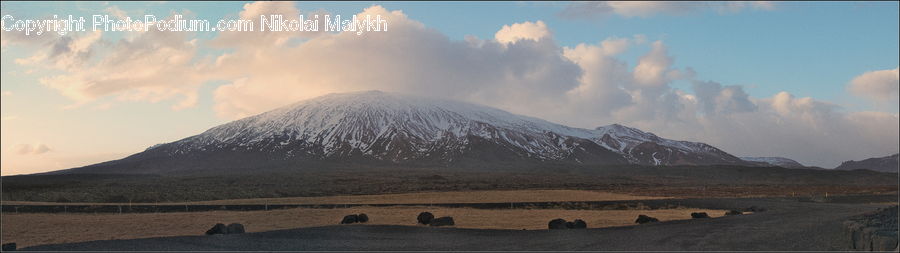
<point>386,126</point>
<point>774,161</point>
<point>394,128</point>
<point>646,148</point>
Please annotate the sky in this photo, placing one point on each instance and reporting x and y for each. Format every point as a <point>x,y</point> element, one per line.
<point>812,81</point>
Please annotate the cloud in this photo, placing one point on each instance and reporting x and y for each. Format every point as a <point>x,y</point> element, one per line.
<point>811,131</point>
<point>29,149</point>
<point>14,38</point>
<point>116,11</point>
<point>522,31</point>
<point>253,11</point>
<point>713,98</point>
<point>652,69</point>
<point>143,66</point>
<point>881,85</point>
<point>65,52</point>
<point>476,70</point>
<point>645,9</point>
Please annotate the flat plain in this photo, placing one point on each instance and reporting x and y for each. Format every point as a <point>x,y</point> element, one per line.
<point>38,229</point>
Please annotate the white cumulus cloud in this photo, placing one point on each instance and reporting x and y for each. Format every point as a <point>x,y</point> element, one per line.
<point>879,85</point>
<point>522,31</point>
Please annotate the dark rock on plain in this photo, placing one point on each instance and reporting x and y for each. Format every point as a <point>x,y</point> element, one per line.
<point>700,215</point>
<point>234,228</point>
<point>645,219</point>
<point>557,224</point>
<point>442,221</point>
<point>579,224</point>
<point>350,219</point>
<point>219,228</point>
<point>425,218</point>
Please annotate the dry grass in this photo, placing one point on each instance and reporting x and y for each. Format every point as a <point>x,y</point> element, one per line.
<point>421,198</point>
<point>35,229</point>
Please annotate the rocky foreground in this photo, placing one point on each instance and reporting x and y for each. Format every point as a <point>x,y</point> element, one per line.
<point>876,231</point>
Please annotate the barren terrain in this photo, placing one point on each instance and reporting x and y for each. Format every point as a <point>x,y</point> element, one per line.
<point>675,181</point>
<point>413,198</point>
<point>787,225</point>
<point>37,229</point>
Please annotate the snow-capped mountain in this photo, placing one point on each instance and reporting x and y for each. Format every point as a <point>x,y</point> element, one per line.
<point>379,127</point>
<point>775,161</point>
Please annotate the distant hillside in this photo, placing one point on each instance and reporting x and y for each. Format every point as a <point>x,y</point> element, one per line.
<point>775,161</point>
<point>883,164</point>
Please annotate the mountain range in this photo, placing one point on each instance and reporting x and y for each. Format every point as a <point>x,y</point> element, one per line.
<point>775,161</point>
<point>374,127</point>
<point>889,163</point>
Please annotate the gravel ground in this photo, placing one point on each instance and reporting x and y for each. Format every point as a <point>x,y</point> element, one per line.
<point>787,225</point>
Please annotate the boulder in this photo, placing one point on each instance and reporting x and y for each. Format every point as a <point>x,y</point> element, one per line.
<point>350,219</point>
<point>362,218</point>
<point>8,247</point>
<point>425,218</point>
<point>579,224</point>
<point>645,219</point>
<point>557,224</point>
<point>700,215</point>
<point>234,228</point>
<point>218,229</point>
<point>734,212</point>
<point>442,221</point>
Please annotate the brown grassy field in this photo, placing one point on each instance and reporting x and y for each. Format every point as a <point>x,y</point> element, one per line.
<point>420,198</point>
<point>36,229</point>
